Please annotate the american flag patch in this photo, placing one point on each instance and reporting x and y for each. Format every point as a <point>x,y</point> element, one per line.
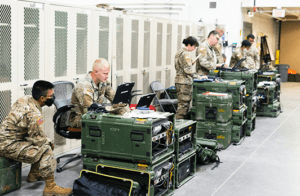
<point>40,121</point>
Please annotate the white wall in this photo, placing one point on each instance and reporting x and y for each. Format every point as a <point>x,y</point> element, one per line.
<point>271,3</point>
<point>266,25</point>
<point>227,13</point>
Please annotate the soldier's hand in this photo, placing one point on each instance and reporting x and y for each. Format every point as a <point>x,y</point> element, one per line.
<point>202,77</point>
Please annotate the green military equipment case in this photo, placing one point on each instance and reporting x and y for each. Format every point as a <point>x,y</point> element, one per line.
<point>216,131</point>
<point>111,183</point>
<point>250,77</point>
<point>271,110</point>
<point>157,179</point>
<point>185,138</point>
<point>269,92</point>
<point>250,125</point>
<point>268,76</point>
<point>10,175</point>
<point>132,139</point>
<point>235,87</point>
<point>172,92</point>
<point>239,116</point>
<point>207,151</point>
<point>185,170</point>
<point>238,132</point>
<point>251,102</point>
<point>212,106</point>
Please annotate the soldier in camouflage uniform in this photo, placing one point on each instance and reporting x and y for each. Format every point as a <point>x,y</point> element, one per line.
<point>22,137</point>
<point>218,47</point>
<point>92,89</point>
<point>253,54</point>
<point>239,53</point>
<point>207,57</point>
<point>184,76</point>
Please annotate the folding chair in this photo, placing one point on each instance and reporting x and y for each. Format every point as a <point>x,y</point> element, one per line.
<point>158,87</point>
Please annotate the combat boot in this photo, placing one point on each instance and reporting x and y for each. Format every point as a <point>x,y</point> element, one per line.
<point>51,189</point>
<point>34,174</point>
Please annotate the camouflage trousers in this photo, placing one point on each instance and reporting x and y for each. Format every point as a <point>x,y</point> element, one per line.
<point>25,152</point>
<point>184,96</point>
<point>75,119</point>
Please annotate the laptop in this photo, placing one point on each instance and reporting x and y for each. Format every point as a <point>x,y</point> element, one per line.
<point>145,100</point>
<point>122,95</point>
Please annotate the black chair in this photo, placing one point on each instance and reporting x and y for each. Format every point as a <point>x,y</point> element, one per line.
<point>63,92</point>
<point>157,87</point>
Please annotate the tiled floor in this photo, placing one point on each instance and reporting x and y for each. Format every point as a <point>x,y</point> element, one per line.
<point>265,164</point>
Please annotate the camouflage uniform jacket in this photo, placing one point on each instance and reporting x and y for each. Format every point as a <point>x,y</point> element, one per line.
<point>207,61</point>
<point>87,92</point>
<point>237,55</point>
<point>183,66</point>
<point>24,122</point>
<point>218,50</point>
<point>253,61</point>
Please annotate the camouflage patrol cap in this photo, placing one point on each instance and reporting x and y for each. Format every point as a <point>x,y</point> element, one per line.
<point>118,109</point>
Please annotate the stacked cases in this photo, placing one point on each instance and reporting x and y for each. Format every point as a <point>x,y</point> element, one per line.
<point>185,150</point>
<point>213,106</point>
<point>251,79</point>
<point>269,94</point>
<point>138,149</point>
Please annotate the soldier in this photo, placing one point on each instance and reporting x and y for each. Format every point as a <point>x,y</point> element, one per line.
<point>218,47</point>
<point>93,88</point>
<point>22,137</point>
<point>184,76</point>
<point>253,54</point>
<point>239,53</point>
<point>207,58</point>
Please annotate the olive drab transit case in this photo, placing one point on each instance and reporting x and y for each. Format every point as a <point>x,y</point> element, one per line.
<point>234,87</point>
<point>185,138</point>
<point>216,131</point>
<point>10,175</point>
<point>211,106</point>
<point>154,180</point>
<point>129,139</point>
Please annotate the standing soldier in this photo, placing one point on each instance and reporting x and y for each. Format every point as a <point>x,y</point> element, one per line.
<point>218,47</point>
<point>92,89</point>
<point>184,76</point>
<point>253,54</point>
<point>239,53</point>
<point>207,59</point>
<point>22,137</point>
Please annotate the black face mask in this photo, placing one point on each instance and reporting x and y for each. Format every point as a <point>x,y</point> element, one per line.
<point>49,102</point>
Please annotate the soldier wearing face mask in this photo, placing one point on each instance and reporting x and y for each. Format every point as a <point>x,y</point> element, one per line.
<point>22,137</point>
<point>239,53</point>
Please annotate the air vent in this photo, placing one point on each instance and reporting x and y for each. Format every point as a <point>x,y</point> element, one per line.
<point>212,4</point>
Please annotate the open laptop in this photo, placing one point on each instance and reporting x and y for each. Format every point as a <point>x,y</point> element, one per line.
<point>122,95</point>
<point>145,100</point>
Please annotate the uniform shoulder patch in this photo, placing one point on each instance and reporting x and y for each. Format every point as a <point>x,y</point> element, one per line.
<point>40,121</point>
<point>89,93</point>
<point>187,56</point>
<point>202,48</point>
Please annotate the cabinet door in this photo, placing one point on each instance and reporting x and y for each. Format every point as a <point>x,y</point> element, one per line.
<point>8,56</point>
<point>31,45</point>
<point>61,33</point>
